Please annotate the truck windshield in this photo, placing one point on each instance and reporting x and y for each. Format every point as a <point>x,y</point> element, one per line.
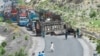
<point>23,18</point>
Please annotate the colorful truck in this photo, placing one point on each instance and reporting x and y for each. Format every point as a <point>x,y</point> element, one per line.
<point>14,15</point>
<point>51,23</point>
<point>23,19</point>
<point>33,16</point>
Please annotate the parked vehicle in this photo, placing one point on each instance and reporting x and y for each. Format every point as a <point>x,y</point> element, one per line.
<point>33,16</point>
<point>14,15</point>
<point>23,19</point>
<point>51,23</point>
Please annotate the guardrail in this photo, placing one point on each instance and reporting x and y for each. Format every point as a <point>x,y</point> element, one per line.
<point>90,34</point>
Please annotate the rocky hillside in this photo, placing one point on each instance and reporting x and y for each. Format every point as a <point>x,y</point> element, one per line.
<point>73,11</point>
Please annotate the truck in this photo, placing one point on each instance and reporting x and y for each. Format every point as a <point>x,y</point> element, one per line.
<point>14,15</point>
<point>51,23</point>
<point>33,16</point>
<point>23,19</point>
<point>47,22</point>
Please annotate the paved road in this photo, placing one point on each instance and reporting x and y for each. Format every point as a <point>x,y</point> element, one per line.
<point>63,47</point>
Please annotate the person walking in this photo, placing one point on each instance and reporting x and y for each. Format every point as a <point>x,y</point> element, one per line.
<point>52,47</point>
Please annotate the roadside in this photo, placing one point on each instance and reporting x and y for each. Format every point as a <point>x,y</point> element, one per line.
<point>92,46</point>
<point>37,46</point>
<point>87,49</point>
<point>14,41</point>
<point>38,43</point>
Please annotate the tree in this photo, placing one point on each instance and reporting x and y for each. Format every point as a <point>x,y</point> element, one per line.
<point>3,44</point>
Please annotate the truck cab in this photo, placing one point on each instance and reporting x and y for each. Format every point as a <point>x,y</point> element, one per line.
<point>23,21</point>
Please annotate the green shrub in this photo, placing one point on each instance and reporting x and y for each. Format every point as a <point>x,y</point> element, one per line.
<point>14,37</point>
<point>8,21</point>
<point>92,14</point>
<point>98,46</point>
<point>90,38</point>
<point>3,44</point>
<point>3,51</point>
<point>20,53</point>
<point>26,37</point>
<point>1,19</point>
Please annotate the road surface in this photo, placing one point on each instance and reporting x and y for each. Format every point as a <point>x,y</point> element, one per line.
<point>63,47</point>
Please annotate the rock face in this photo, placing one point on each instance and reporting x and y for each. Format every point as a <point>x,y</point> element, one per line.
<point>15,41</point>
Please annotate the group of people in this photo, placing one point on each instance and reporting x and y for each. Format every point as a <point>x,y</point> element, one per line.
<point>39,54</point>
<point>76,33</point>
<point>70,30</point>
<point>42,53</point>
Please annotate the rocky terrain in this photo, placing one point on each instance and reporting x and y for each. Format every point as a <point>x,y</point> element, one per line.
<point>16,39</point>
<point>77,12</point>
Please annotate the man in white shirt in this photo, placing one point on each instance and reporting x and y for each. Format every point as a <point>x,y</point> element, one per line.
<point>52,47</point>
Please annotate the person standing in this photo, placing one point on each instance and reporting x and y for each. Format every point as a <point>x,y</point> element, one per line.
<point>42,54</point>
<point>39,54</point>
<point>66,33</point>
<point>52,47</point>
<point>78,32</point>
<point>66,30</point>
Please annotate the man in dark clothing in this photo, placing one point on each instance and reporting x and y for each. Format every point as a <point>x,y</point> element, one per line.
<point>66,31</point>
<point>79,33</point>
<point>77,30</point>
